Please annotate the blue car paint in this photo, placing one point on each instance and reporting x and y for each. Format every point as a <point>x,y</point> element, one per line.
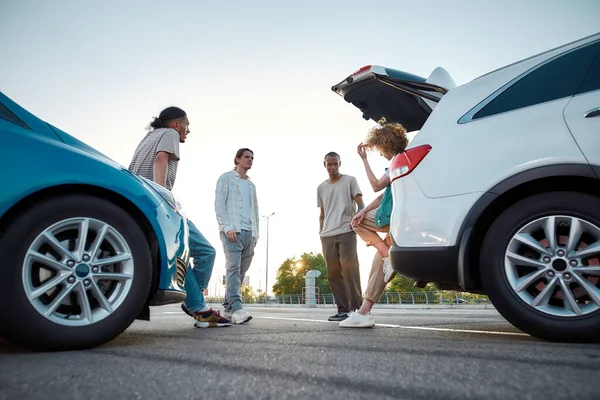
<point>41,156</point>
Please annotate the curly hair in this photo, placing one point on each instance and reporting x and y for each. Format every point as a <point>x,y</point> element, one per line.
<point>388,137</point>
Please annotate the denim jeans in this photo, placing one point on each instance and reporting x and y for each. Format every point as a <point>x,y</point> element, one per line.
<point>238,257</point>
<point>196,279</point>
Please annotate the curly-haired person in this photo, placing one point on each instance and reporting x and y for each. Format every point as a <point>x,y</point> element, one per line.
<point>390,140</point>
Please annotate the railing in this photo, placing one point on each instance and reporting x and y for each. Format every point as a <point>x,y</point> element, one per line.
<point>429,298</point>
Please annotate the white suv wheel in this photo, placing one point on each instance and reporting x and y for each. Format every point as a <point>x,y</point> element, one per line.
<point>540,265</point>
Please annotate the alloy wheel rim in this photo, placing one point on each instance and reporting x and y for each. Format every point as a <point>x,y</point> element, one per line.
<point>78,271</point>
<point>553,265</point>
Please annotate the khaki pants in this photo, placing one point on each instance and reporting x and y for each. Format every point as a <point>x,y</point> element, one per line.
<point>343,271</point>
<point>367,230</point>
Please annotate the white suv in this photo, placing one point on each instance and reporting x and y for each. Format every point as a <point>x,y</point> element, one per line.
<point>499,192</point>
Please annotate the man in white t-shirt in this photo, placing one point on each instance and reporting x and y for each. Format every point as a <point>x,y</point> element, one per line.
<point>336,197</point>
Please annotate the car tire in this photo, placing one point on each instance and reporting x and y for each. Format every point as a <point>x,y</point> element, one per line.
<point>98,306</point>
<point>504,285</point>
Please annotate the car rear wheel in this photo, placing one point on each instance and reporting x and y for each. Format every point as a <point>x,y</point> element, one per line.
<point>75,272</point>
<point>540,264</point>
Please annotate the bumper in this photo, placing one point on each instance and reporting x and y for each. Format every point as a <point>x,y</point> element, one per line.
<point>434,264</point>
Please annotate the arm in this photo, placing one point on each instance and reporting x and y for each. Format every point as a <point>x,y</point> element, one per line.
<point>376,184</point>
<point>360,204</point>
<point>221,194</point>
<point>357,219</point>
<point>160,168</point>
<point>321,219</point>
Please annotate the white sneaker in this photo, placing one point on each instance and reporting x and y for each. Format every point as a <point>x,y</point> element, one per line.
<point>240,316</point>
<point>388,271</point>
<point>357,320</point>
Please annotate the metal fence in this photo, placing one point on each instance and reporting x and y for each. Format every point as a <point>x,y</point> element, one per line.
<point>430,297</point>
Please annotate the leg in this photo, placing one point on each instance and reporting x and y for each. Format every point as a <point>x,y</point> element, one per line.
<point>334,273</point>
<point>233,259</point>
<point>350,269</point>
<point>196,280</point>
<point>367,230</point>
<point>247,253</point>
<point>376,285</point>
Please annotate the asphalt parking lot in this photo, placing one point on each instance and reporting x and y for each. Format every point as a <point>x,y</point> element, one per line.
<point>459,352</point>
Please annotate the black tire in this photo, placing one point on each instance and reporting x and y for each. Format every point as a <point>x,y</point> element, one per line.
<point>545,326</point>
<point>22,323</point>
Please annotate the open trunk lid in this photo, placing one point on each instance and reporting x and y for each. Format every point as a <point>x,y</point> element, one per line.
<point>396,95</point>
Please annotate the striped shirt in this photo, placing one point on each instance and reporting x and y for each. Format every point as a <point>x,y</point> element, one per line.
<point>229,203</point>
<point>162,139</point>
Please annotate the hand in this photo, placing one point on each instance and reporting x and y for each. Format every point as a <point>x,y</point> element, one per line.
<point>231,236</point>
<point>361,151</point>
<point>357,219</point>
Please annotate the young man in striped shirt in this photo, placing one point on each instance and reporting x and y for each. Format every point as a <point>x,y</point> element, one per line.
<point>156,158</point>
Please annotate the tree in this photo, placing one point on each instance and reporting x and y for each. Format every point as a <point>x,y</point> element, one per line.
<point>291,275</point>
<point>404,284</point>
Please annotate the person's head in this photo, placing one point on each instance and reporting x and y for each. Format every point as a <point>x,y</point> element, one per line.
<point>332,162</point>
<point>173,118</point>
<point>389,138</point>
<point>243,158</point>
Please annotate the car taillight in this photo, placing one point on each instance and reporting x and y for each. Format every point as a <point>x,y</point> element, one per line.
<point>363,69</point>
<point>404,163</point>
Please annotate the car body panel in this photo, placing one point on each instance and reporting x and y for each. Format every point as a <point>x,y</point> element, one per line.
<point>535,132</point>
<point>585,130</point>
<point>418,220</point>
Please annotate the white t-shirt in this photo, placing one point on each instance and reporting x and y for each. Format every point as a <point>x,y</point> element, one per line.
<point>245,190</point>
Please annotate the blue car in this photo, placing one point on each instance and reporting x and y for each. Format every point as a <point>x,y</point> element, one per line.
<point>86,247</point>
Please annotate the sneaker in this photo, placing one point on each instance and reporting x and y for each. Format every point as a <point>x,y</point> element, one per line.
<point>240,316</point>
<point>388,271</point>
<point>357,320</point>
<point>338,317</point>
<point>210,319</point>
<point>185,310</point>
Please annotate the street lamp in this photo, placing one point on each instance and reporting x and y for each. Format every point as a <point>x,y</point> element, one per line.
<point>267,264</point>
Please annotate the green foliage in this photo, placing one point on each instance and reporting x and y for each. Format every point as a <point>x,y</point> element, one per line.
<point>403,284</point>
<point>291,275</point>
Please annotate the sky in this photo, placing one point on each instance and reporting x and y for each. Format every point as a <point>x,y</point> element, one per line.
<point>258,75</point>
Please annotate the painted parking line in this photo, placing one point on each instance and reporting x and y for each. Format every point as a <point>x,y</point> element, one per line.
<point>419,328</point>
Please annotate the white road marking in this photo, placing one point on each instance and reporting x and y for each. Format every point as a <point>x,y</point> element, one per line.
<point>421,328</point>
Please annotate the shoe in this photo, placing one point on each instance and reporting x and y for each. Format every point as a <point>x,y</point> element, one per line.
<point>185,310</point>
<point>357,320</point>
<point>240,316</point>
<point>210,319</point>
<point>338,317</point>
<point>388,271</point>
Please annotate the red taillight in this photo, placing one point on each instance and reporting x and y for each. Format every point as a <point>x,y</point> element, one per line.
<point>363,69</point>
<point>404,163</point>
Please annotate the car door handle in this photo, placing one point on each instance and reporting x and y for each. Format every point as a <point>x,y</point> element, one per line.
<point>594,112</point>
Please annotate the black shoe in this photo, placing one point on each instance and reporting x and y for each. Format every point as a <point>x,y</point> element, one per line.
<point>185,310</point>
<point>338,317</point>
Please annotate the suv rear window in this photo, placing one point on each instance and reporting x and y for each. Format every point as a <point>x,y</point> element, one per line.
<point>556,79</point>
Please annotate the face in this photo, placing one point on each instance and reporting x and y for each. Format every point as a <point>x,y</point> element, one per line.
<point>182,126</point>
<point>333,166</point>
<point>246,160</point>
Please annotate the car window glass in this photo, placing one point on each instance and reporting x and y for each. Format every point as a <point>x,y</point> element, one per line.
<point>9,116</point>
<point>592,79</point>
<point>556,79</point>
